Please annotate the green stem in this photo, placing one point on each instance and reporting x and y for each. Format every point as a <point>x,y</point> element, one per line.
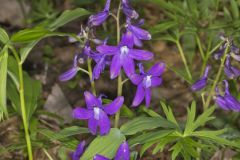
<point>119,92</point>
<point>217,78</point>
<point>91,76</point>
<point>183,59</point>
<point>22,102</point>
<point>200,48</point>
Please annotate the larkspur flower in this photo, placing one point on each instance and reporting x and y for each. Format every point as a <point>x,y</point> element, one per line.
<point>202,82</point>
<point>71,72</point>
<point>79,151</point>
<point>227,102</point>
<point>145,81</point>
<point>138,34</point>
<point>99,18</point>
<point>128,10</point>
<point>78,58</point>
<point>123,153</point>
<point>124,56</point>
<point>97,113</point>
<point>230,71</point>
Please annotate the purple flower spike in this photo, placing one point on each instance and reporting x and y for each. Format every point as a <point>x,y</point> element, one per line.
<point>202,82</point>
<point>124,56</point>
<point>138,34</point>
<point>96,113</point>
<point>229,70</point>
<point>71,72</point>
<point>99,18</point>
<point>100,157</point>
<point>145,81</point>
<point>123,152</point>
<point>128,11</point>
<point>79,151</point>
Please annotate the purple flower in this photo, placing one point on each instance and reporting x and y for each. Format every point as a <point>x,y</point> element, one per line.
<point>138,34</point>
<point>71,72</point>
<point>123,152</point>
<point>202,82</point>
<point>145,81</point>
<point>101,62</point>
<point>79,151</point>
<point>124,56</point>
<point>229,70</point>
<point>227,102</point>
<point>128,11</point>
<point>97,113</point>
<point>99,18</point>
<point>100,157</point>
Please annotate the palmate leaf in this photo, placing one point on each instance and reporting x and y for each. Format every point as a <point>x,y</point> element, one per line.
<point>104,145</point>
<point>169,114</point>
<point>144,123</point>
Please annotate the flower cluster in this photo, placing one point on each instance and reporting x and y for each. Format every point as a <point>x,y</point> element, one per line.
<point>123,56</point>
<point>226,51</point>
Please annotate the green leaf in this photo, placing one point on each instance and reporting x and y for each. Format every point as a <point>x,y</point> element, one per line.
<point>148,137</point>
<point>32,90</point>
<point>65,133</point>
<point>162,27</point>
<point>145,147</point>
<point>234,9</point>
<point>104,145</point>
<point>3,82</point>
<point>27,49</point>
<point>176,150</point>
<point>190,118</point>
<point>3,36</point>
<point>68,16</point>
<point>144,123</point>
<point>169,114</point>
<point>214,137</point>
<point>28,35</point>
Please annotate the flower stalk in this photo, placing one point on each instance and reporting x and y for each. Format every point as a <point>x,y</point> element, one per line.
<point>216,80</point>
<point>22,104</point>
<point>120,84</point>
<point>184,59</point>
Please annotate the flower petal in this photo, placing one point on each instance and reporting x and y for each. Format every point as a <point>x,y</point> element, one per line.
<point>140,93</point>
<point>92,125</point>
<point>103,123</point>
<point>129,66</point>
<point>98,19</point>
<point>115,67</point>
<point>100,157</point>
<point>81,113</point>
<point>148,97</point>
<point>114,106</point>
<point>199,84</point>
<point>137,41</point>
<point>156,81</point>
<point>79,151</point>
<point>69,74</point>
<point>157,69</point>
<point>91,100</point>
<point>106,49</point>
<point>140,54</point>
<point>99,68</point>
<point>123,152</point>
<point>139,32</point>
<point>127,40</point>
<point>136,78</point>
